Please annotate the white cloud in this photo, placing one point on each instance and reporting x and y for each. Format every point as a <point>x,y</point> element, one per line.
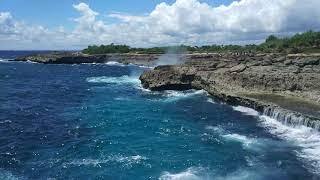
<point>185,21</point>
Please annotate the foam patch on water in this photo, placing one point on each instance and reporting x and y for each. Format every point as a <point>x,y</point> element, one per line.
<point>246,111</point>
<point>193,173</point>
<point>247,142</point>
<point>125,161</point>
<point>239,138</point>
<point>306,138</point>
<point>114,80</point>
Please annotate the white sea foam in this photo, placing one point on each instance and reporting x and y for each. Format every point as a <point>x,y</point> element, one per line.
<point>123,160</point>
<point>193,173</point>
<point>3,60</point>
<point>247,142</point>
<point>114,63</point>
<point>114,80</point>
<point>210,100</point>
<point>178,95</point>
<point>246,111</point>
<point>306,138</point>
<point>239,138</point>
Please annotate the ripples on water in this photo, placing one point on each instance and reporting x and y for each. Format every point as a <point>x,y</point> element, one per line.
<point>95,121</point>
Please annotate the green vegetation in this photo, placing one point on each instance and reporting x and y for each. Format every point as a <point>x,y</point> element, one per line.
<point>308,42</point>
<point>106,49</point>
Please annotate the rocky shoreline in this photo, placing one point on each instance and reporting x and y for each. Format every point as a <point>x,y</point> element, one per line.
<point>79,58</point>
<point>285,87</point>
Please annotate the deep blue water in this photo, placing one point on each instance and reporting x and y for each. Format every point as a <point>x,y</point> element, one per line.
<point>96,122</point>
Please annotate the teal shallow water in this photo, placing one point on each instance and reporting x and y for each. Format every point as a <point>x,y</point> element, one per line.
<point>96,122</point>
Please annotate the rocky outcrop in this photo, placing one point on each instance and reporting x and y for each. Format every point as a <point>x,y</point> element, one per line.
<point>78,58</point>
<point>283,83</point>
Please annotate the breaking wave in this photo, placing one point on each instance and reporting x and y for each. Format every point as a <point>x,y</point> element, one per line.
<point>171,95</point>
<point>2,60</point>
<point>114,63</point>
<point>305,138</point>
<point>246,111</point>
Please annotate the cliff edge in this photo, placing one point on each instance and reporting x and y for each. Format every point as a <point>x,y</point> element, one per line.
<point>286,87</point>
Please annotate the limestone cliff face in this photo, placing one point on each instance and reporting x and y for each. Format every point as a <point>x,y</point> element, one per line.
<point>249,80</point>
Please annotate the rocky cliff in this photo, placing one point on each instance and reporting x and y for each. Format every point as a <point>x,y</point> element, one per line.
<point>286,87</point>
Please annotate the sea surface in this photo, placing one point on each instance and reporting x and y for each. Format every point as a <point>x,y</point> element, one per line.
<point>95,121</point>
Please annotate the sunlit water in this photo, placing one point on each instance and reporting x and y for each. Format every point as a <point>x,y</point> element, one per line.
<point>96,122</point>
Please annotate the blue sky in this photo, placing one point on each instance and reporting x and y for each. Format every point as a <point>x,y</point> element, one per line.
<point>55,13</point>
<point>75,24</point>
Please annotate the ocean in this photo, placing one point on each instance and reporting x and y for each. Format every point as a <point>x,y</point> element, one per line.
<point>95,121</point>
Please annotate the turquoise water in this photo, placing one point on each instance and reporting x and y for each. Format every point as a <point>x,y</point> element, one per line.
<point>96,122</point>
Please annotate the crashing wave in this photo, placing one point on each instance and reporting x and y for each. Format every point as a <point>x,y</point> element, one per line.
<point>288,126</point>
<point>246,111</point>
<point>4,60</point>
<point>307,138</point>
<point>114,63</point>
<point>291,118</point>
<point>171,95</point>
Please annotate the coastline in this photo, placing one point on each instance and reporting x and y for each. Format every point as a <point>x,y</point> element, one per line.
<point>278,86</point>
<point>268,83</point>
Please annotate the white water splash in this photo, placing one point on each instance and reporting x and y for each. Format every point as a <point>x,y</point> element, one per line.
<point>246,111</point>
<point>178,95</point>
<point>306,138</point>
<point>2,60</point>
<point>114,63</point>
